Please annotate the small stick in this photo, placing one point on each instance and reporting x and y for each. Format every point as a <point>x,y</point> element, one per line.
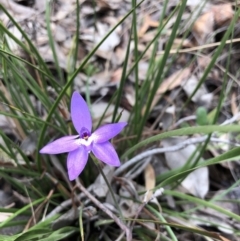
<point>106,210</point>
<point>176,147</point>
<point>65,204</point>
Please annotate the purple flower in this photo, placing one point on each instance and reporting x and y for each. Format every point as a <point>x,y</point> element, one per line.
<point>79,146</point>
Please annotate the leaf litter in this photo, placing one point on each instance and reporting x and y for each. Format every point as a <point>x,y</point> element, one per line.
<point>97,18</point>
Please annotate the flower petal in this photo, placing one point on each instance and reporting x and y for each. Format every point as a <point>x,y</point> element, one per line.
<point>61,145</point>
<point>106,153</point>
<point>80,113</point>
<point>106,132</point>
<point>76,161</point>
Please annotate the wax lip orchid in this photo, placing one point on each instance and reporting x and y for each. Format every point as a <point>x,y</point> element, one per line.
<point>79,146</point>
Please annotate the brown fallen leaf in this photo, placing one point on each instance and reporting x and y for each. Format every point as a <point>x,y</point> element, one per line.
<point>181,43</point>
<point>203,61</point>
<point>116,76</point>
<point>222,13</point>
<point>170,83</point>
<point>150,180</point>
<point>147,23</point>
<point>203,27</point>
<point>196,182</point>
<point>234,107</point>
<point>174,80</point>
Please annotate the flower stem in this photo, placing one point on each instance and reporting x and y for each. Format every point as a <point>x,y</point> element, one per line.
<point>109,186</point>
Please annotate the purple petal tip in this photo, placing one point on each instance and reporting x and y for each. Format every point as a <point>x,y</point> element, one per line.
<point>80,113</point>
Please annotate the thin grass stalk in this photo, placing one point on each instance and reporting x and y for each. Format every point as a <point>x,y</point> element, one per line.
<point>202,5</point>
<point>73,54</point>
<point>20,171</point>
<point>32,47</point>
<point>51,42</point>
<point>53,81</point>
<point>105,111</point>
<point>118,221</point>
<point>204,203</point>
<point>219,106</point>
<point>158,78</point>
<point>22,210</point>
<point>227,156</point>
<point>123,80</point>
<point>29,118</point>
<point>20,127</point>
<point>9,146</point>
<point>77,35</point>
<point>142,236</point>
<point>181,132</point>
<point>215,56</point>
<point>17,77</point>
<point>215,198</point>
<point>162,219</point>
<point>195,229</point>
<point>145,88</point>
<point>219,103</point>
<point>34,87</point>
<point>135,38</point>
<point>159,30</point>
<point>174,56</point>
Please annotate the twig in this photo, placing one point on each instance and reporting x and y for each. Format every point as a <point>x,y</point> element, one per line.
<point>168,149</point>
<point>185,119</point>
<point>66,203</point>
<point>231,120</point>
<point>138,169</point>
<point>193,117</point>
<point>21,198</point>
<point>106,210</point>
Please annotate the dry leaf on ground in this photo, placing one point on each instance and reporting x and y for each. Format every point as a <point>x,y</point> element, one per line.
<point>197,182</point>
<point>202,97</point>
<point>99,108</point>
<point>222,13</point>
<point>150,180</point>
<point>100,187</point>
<point>203,27</point>
<point>174,80</point>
